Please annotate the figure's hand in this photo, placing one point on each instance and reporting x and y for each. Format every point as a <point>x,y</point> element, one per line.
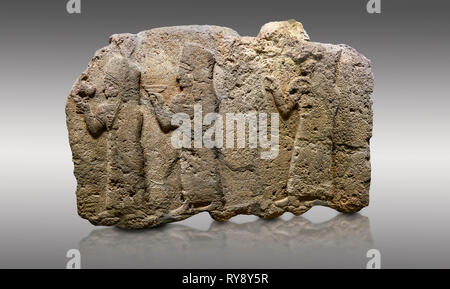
<point>155,97</point>
<point>86,90</point>
<point>269,83</point>
<point>154,92</point>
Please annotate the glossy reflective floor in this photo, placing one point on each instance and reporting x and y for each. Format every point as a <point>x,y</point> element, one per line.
<point>341,241</point>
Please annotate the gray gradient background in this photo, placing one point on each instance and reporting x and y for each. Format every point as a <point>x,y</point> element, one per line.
<point>43,50</point>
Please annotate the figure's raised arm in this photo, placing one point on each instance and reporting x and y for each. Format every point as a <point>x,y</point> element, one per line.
<point>163,112</point>
<point>284,104</point>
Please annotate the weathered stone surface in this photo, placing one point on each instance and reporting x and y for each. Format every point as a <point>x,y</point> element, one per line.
<point>121,111</point>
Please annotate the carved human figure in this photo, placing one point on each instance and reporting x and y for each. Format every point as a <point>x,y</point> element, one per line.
<point>119,116</point>
<point>200,178</point>
<point>309,176</point>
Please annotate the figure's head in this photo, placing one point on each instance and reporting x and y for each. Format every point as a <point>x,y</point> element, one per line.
<point>122,77</point>
<point>287,30</point>
<point>196,64</point>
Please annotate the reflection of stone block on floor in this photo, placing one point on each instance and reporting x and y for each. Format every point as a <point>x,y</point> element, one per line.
<point>340,242</point>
